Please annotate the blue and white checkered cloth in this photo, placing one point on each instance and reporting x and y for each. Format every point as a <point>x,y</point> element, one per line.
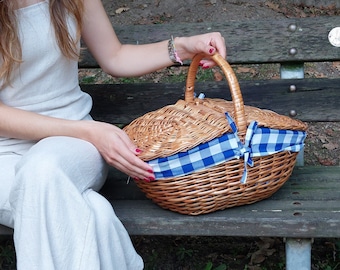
<point>259,141</point>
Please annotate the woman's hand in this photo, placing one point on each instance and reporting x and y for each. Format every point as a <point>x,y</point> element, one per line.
<point>117,149</point>
<point>112,142</point>
<point>210,43</point>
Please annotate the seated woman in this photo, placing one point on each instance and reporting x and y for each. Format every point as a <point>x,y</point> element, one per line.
<point>54,157</point>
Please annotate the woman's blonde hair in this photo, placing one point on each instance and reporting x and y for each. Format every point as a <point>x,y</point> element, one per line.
<point>10,48</point>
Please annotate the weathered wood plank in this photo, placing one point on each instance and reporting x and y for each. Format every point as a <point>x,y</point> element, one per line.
<point>5,230</point>
<point>250,41</point>
<point>121,103</point>
<point>306,183</point>
<point>264,218</point>
<point>309,215</point>
<point>145,218</point>
<point>286,214</point>
<point>309,183</point>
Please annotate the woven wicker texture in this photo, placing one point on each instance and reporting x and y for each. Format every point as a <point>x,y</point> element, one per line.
<point>190,122</point>
<point>219,187</point>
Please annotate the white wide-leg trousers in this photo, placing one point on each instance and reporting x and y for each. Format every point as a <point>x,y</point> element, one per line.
<point>48,195</point>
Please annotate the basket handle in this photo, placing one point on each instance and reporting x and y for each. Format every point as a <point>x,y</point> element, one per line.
<point>236,95</point>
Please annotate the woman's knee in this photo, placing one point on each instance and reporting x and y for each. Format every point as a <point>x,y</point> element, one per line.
<point>101,207</point>
<point>55,160</point>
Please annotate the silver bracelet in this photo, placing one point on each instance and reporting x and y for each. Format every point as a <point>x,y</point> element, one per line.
<point>172,52</point>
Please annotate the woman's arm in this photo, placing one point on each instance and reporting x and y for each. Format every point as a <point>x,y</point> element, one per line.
<point>31,126</point>
<point>124,60</point>
<point>113,144</point>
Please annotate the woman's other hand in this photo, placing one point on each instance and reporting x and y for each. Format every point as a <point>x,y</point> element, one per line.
<point>209,44</point>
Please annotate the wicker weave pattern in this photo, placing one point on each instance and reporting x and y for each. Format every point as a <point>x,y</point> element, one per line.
<point>219,187</point>
<point>193,121</point>
<point>190,122</point>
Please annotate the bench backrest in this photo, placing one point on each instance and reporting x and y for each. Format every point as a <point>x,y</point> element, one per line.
<point>249,41</point>
<point>290,42</point>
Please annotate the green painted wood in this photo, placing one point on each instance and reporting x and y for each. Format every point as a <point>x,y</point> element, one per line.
<point>121,103</point>
<point>248,41</point>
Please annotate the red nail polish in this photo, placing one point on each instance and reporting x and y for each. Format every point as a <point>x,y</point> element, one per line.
<point>152,178</point>
<point>211,50</point>
<point>138,150</point>
<point>205,67</point>
<point>150,171</point>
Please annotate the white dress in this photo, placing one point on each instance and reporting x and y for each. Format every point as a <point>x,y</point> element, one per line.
<point>48,188</point>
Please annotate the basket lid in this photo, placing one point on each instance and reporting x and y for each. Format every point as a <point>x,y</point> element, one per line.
<point>190,122</point>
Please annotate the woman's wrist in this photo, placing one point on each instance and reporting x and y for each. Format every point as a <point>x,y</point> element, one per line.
<point>180,46</point>
<point>173,54</point>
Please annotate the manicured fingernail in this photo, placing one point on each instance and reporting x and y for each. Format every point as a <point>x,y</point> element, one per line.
<point>200,64</point>
<point>138,150</point>
<point>211,50</point>
<point>147,180</point>
<point>205,67</point>
<point>150,171</point>
<point>151,178</point>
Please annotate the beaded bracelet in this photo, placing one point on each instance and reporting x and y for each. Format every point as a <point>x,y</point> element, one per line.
<point>172,52</point>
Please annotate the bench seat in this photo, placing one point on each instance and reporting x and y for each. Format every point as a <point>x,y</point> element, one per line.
<point>300,209</point>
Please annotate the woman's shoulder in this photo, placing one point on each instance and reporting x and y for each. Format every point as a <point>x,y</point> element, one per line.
<point>29,4</point>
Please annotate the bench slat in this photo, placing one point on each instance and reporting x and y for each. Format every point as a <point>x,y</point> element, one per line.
<point>305,183</point>
<point>271,217</point>
<point>145,218</point>
<point>265,41</point>
<point>286,213</point>
<point>121,103</point>
<point>295,212</point>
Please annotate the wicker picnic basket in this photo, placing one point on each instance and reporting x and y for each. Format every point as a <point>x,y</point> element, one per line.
<point>193,121</point>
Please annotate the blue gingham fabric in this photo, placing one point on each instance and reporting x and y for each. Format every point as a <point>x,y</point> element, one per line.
<point>259,141</point>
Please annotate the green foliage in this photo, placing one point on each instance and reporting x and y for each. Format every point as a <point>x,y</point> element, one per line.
<point>151,263</point>
<point>88,80</point>
<point>209,266</point>
<point>337,248</point>
<point>7,255</point>
<point>183,253</point>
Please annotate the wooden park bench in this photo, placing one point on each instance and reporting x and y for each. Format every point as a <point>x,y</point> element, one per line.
<point>308,205</point>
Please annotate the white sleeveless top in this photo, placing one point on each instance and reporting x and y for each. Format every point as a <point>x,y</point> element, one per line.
<point>46,82</point>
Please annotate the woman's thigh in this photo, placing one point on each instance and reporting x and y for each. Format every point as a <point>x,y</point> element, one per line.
<point>78,160</point>
<point>7,175</point>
